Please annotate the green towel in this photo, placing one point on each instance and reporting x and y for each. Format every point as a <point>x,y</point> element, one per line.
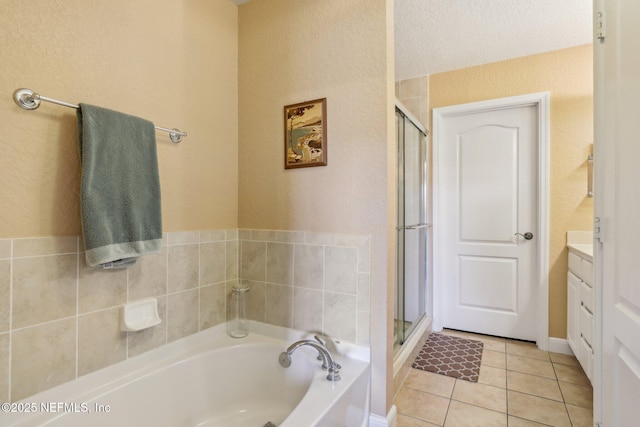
<point>120,189</point>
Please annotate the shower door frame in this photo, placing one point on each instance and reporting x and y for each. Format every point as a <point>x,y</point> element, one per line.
<point>421,226</point>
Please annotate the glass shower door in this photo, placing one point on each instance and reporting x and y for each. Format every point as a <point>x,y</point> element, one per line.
<point>411,229</point>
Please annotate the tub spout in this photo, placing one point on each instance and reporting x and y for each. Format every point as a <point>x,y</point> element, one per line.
<point>327,359</point>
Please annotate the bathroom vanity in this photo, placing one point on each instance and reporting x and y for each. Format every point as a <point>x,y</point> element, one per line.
<point>581,298</point>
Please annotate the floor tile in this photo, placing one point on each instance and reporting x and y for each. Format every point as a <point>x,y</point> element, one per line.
<point>534,388</point>
<point>527,350</point>
<point>564,359</point>
<point>538,409</point>
<point>465,415</point>
<point>424,406</point>
<point>405,421</point>
<point>531,384</point>
<point>580,417</point>
<point>482,395</point>
<point>578,395</point>
<point>496,359</point>
<point>519,422</point>
<point>530,366</point>
<point>493,376</point>
<point>571,374</point>
<point>430,382</point>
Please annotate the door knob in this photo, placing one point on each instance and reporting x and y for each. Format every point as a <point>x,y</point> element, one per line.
<point>528,235</point>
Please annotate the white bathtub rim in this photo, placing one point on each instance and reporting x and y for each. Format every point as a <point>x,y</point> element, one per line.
<point>92,386</point>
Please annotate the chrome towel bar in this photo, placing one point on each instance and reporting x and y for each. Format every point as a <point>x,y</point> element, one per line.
<point>30,100</point>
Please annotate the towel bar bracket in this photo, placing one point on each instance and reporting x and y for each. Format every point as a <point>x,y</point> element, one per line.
<point>29,100</point>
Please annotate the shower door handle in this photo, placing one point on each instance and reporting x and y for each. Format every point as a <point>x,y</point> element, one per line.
<point>528,235</point>
<point>414,227</point>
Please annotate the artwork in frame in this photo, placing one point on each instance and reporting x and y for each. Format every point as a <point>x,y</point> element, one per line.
<point>305,136</point>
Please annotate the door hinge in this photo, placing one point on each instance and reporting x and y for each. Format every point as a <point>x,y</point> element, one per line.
<point>597,226</point>
<point>598,26</point>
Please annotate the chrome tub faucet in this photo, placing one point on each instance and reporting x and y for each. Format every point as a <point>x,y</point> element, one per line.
<point>327,360</point>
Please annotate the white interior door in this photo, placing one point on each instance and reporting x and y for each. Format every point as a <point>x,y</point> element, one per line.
<point>617,205</point>
<point>487,185</point>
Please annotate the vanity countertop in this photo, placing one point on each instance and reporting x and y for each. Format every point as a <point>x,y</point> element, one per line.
<point>584,249</point>
<point>581,242</point>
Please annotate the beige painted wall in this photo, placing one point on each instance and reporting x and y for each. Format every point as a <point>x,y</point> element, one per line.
<point>173,62</point>
<point>297,50</point>
<point>567,75</point>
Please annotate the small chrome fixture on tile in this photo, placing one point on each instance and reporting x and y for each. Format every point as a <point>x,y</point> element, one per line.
<point>327,360</point>
<point>30,100</point>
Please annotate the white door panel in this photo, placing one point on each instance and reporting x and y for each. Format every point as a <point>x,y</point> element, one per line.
<point>487,186</point>
<point>617,204</point>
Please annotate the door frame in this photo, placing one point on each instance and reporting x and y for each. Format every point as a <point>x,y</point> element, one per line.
<point>539,100</point>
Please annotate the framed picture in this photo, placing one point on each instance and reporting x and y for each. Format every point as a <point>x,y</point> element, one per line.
<point>305,134</point>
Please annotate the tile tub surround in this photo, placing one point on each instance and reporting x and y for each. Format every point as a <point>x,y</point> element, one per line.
<point>59,319</point>
<point>308,281</point>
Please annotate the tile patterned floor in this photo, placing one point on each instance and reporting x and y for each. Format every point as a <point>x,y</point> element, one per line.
<point>519,386</point>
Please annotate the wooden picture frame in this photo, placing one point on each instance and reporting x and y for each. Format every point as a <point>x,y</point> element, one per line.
<point>305,134</point>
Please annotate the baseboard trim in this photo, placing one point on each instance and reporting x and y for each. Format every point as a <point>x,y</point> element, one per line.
<point>378,421</point>
<point>560,345</point>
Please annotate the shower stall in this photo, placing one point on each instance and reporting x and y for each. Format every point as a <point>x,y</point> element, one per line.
<point>411,281</point>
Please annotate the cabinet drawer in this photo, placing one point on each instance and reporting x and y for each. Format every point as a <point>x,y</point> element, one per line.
<point>586,325</point>
<point>575,264</point>
<point>587,296</point>
<point>587,271</point>
<point>586,358</point>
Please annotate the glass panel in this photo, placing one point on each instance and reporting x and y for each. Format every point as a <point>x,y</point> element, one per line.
<point>411,234</point>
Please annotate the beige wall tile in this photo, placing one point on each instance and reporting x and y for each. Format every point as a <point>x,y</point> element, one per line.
<point>290,236</point>
<point>5,295</point>
<point>314,238</point>
<point>264,235</point>
<point>213,236</point>
<point>279,305</point>
<point>255,300</point>
<point>212,263</point>
<point>253,257</point>
<point>4,367</point>
<point>307,309</point>
<point>99,289</point>
<point>340,269</point>
<point>100,341</point>
<point>148,276</point>
<point>44,289</point>
<point>232,259</point>
<point>364,292</point>
<point>364,256</point>
<point>363,329</point>
<point>308,266</point>
<point>183,267</point>
<point>340,316</point>
<point>139,342</point>
<point>183,238</point>
<point>280,263</point>
<point>231,234</point>
<point>182,314</point>
<point>212,305</point>
<point>5,248</point>
<point>43,356</point>
<point>38,246</point>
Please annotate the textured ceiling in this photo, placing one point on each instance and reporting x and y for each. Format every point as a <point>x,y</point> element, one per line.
<point>433,36</point>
